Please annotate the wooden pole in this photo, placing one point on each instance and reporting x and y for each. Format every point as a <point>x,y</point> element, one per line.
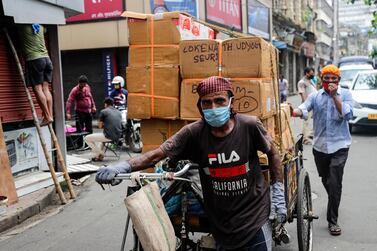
<point>36,123</point>
<point>7,186</point>
<point>62,162</point>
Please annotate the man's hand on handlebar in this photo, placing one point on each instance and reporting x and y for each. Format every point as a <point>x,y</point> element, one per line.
<point>106,174</point>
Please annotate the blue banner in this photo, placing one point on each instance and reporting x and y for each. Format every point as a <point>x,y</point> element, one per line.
<point>258,19</point>
<point>189,6</point>
<point>108,67</point>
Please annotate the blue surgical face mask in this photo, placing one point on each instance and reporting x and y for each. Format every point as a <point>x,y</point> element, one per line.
<point>217,117</point>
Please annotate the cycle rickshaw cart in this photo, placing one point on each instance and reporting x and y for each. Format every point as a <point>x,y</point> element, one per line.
<point>297,195</point>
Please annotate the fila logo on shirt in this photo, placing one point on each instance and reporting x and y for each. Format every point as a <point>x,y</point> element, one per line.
<point>220,158</point>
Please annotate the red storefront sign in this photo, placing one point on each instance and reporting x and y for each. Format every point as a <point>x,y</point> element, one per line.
<point>99,9</point>
<point>224,12</point>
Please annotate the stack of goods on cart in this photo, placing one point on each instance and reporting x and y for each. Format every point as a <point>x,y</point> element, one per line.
<point>246,62</point>
<point>153,78</point>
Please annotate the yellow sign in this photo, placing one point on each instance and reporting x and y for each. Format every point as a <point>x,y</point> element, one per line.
<point>372,116</point>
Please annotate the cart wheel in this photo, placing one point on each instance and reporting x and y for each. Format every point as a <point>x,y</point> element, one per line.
<point>304,209</point>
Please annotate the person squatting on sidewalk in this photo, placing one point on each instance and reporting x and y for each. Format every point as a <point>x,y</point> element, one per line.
<point>110,119</point>
<point>332,109</point>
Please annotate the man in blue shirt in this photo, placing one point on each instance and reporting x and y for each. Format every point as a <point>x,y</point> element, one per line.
<point>332,109</point>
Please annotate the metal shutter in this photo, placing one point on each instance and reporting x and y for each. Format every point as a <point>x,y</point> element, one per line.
<point>14,105</point>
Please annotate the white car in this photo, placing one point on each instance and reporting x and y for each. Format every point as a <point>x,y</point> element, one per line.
<point>348,73</point>
<point>364,94</point>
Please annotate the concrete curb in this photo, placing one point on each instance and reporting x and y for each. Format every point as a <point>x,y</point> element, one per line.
<point>27,206</point>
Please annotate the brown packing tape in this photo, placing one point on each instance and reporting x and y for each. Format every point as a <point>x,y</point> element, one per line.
<point>147,29</point>
<point>252,97</point>
<point>140,56</point>
<point>199,58</point>
<point>158,101</point>
<point>139,107</point>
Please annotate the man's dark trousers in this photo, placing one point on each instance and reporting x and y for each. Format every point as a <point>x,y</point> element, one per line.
<point>84,120</point>
<point>330,168</point>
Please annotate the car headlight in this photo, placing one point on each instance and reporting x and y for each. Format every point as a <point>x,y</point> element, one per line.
<point>356,104</point>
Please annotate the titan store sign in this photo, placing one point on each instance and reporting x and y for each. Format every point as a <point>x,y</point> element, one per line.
<point>225,13</point>
<point>99,9</point>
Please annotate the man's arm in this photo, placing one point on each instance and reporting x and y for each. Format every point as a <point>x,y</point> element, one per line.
<point>101,118</point>
<point>71,98</point>
<point>275,164</point>
<point>301,90</point>
<point>345,107</point>
<point>303,110</point>
<point>146,160</point>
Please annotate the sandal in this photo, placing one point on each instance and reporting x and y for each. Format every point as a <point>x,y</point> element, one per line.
<point>335,229</point>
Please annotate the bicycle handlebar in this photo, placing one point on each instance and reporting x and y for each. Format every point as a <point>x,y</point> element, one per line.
<point>127,176</point>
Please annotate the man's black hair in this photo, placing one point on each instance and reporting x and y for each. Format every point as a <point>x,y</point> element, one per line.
<point>108,101</point>
<point>83,79</point>
<point>307,70</point>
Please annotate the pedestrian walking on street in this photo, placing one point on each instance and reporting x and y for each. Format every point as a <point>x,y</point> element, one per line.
<point>283,88</point>
<point>84,105</point>
<point>225,146</point>
<point>305,88</point>
<point>110,119</point>
<point>38,67</point>
<point>332,109</point>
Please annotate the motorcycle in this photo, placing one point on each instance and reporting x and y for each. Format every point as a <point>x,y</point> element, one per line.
<point>131,136</point>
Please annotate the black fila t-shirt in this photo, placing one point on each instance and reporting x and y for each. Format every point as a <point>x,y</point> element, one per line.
<point>236,197</point>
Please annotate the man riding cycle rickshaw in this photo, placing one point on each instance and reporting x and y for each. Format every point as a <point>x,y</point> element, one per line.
<point>224,144</point>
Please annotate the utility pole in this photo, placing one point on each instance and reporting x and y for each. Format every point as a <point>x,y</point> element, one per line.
<point>336,33</point>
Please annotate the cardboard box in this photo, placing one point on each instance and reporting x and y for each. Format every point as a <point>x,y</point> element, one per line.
<point>274,61</point>
<point>164,28</point>
<point>199,58</point>
<point>247,57</point>
<point>285,116</point>
<point>159,101</point>
<point>146,28</point>
<point>155,131</point>
<point>252,97</point>
<point>269,125</point>
<point>141,56</point>
<point>290,172</point>
<point>287,140</point>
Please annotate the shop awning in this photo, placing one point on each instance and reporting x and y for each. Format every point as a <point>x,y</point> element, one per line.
<point>41,11</point>
<point>279,44</point>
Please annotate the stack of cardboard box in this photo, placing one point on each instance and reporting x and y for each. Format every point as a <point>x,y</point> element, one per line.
<point>247,64</point>
<point>153,79</point>
<point>153,72</point>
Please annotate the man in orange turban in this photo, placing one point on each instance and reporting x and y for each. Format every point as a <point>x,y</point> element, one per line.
<point>332,109</point>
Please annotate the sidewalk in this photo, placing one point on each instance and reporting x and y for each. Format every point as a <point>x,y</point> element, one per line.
<point>34,203</point>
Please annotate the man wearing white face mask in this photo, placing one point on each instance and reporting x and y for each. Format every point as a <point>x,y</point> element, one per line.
<point>225,145</point>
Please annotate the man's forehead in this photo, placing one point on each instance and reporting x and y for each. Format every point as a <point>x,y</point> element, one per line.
<point>215,94</point>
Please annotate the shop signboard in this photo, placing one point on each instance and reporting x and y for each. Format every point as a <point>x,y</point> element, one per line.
<point>108,66</point>
<point>98,10</point>
<point>258,20</point>
<point>225,13</point>
<point>188,6</point>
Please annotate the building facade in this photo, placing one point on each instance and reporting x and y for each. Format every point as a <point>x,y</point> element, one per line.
<point>96,42</point>
<point>18,133</point>
<point>293,35</point>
